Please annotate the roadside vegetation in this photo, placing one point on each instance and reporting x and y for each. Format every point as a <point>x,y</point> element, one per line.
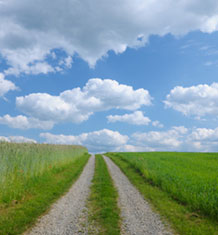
<point>32,176</point>
<point>183,187</point>
<point>103,206</point>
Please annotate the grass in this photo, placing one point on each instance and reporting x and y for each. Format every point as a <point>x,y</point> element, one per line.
<point>168,180</point>
<point>103,200</point>
<point>33,176</point>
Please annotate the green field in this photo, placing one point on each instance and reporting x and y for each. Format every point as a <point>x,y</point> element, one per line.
<point>32,176</point>
<point>182,186</point>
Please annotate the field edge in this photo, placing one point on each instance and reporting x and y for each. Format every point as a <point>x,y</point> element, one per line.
<point>47,189</point>
<point>181,219</point>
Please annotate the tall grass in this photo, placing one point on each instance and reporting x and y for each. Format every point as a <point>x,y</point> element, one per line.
<point>190,178</point>
<point>22,163</point>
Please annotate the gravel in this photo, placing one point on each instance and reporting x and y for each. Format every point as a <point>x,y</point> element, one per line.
<point>137,216</point>
<point>66,216</point>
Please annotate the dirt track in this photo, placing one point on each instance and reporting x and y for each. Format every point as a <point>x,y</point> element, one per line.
<point>137,216</point>
<point>64,216</point>
<point>69,214</point>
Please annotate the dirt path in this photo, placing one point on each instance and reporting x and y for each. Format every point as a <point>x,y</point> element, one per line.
<point>137,216</point>
<point>64,218</point>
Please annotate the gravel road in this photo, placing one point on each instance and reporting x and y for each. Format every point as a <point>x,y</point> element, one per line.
<point>137,216</point>
<point>65,215</point>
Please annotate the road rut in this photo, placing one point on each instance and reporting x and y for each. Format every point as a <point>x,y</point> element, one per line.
<point>137,216</point>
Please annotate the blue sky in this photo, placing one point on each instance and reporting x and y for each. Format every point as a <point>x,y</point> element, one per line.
<point>113,76</point>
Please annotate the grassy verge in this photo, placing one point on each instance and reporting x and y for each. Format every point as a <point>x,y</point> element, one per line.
<point>181,218</point>
<point>103,200</point>
<point>38,194</point>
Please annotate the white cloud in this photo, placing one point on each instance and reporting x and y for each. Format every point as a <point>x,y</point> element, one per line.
<point>200,100</point>
<point>176,139</point>
<point>77,105</point>
<point>37,68</point>
<point>60,139</point>
<point>96,141</point>
<point>204,134</point>
<point>17,139</point>
<point>5,85</point>
<point>23,122</point>
<point>161,140</point>
<point>134,148</point>
<point>203,139</point>
<point>157,124</point>
<point>66,62</point>
<point>136,118</point>
<point>28,34</point>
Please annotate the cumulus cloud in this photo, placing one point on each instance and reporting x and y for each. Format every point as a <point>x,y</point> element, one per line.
<point>161,140</point>
<point>107,140</point>
<point>204,134</point>
<point>203,139</point>
<point>157,124</point>
<point>37,68</point>
<point>200,100</point>
<point>96,141</point>
<point>17,139</point>
<point>136,118</point>
<point>6,85</point>
<point>67,62</point>
<point>23,122</point>
<point>176,139</point>
<point>77,105</point>
<point>134,148</point>
<point>30,33</point>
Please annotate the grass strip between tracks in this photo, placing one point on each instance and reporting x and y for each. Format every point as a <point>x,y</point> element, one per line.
<point>42,192</point>
<point>182,220</point>
<point>103,206</point>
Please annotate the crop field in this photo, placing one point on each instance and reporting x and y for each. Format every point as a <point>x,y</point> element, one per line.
<point>31,177</point>
<point>21,162</point>
<point>190,178</point>
<point>181,187</point>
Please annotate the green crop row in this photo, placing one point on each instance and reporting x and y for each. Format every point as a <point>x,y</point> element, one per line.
<point>189,178</point>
